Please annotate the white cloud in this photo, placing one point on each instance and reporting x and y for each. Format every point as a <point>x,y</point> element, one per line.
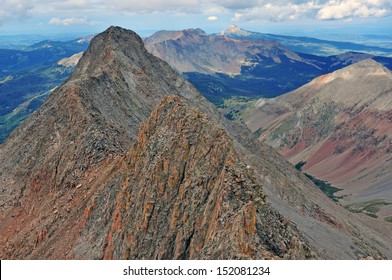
<point>71,21</point>
<point>150,6</point>
<point>15,9</point>
<point>278,11</point>
<point>212,18</point>
<point>354,8</point>
<point>245,10</point>
<point>236,4</point>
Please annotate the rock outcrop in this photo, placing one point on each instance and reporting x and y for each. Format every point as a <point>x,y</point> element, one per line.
<point>189,195</point>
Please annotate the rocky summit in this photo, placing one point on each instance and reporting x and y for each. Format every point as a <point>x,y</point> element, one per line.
<point>126,160</point>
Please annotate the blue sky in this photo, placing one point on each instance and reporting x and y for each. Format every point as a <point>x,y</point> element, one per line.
<point>299,17</point>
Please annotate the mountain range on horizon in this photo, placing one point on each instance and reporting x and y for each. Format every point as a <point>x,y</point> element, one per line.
<point>230,64</point>
<point>308,45</point>
<point>127,160</point>
<point>225,67</point>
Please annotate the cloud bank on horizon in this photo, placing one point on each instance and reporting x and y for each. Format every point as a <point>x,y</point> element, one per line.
<point>62,12</point>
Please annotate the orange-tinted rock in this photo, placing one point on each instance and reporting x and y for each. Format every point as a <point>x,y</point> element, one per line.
<point>214,217</point>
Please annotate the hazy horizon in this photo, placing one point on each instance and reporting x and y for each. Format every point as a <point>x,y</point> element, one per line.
<point>23,39</point>
<point>316,18</point>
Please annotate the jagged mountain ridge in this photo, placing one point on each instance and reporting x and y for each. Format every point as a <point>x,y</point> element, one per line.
<point>67,169</point>
<point>340,125</point>
<point>189,196</point>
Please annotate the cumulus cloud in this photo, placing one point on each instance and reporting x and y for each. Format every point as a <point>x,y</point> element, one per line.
<point>212,18</point>
<point>244,10</point>
<point>236,5</point>
<point>71,21</point>
<point>178,6</point>
<point>278,11</point>
<point>354,8</point>
<point>281,10</point>
<point>15,9</point>
<point>264,10</point>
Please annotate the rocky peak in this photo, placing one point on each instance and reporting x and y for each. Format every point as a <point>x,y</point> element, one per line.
<point>360,83</point>
<point>235,30</point>
<point>109,49</point>
<point>366,66</point>
<point>162,36</point>
<point>190,196</point>
<point>194,31</point>
<point>195,51</point>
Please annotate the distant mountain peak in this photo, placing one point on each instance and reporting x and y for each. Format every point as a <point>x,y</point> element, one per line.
<point>359,71</point>
<point>366,63</point>
<point>233,27</point>
<point>198,31</point>
<point>165,35</point>
<point>193,50</point>
<point>235,30</point>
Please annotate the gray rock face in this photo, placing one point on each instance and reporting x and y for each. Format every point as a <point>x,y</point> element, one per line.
<point>67,172</point>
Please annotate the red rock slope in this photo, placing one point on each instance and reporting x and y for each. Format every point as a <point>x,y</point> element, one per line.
<point>341,125</point>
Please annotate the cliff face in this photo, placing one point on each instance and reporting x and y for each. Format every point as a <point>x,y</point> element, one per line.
<point>189,195</point>
<point>340,125</point>
<point>82,178</point>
